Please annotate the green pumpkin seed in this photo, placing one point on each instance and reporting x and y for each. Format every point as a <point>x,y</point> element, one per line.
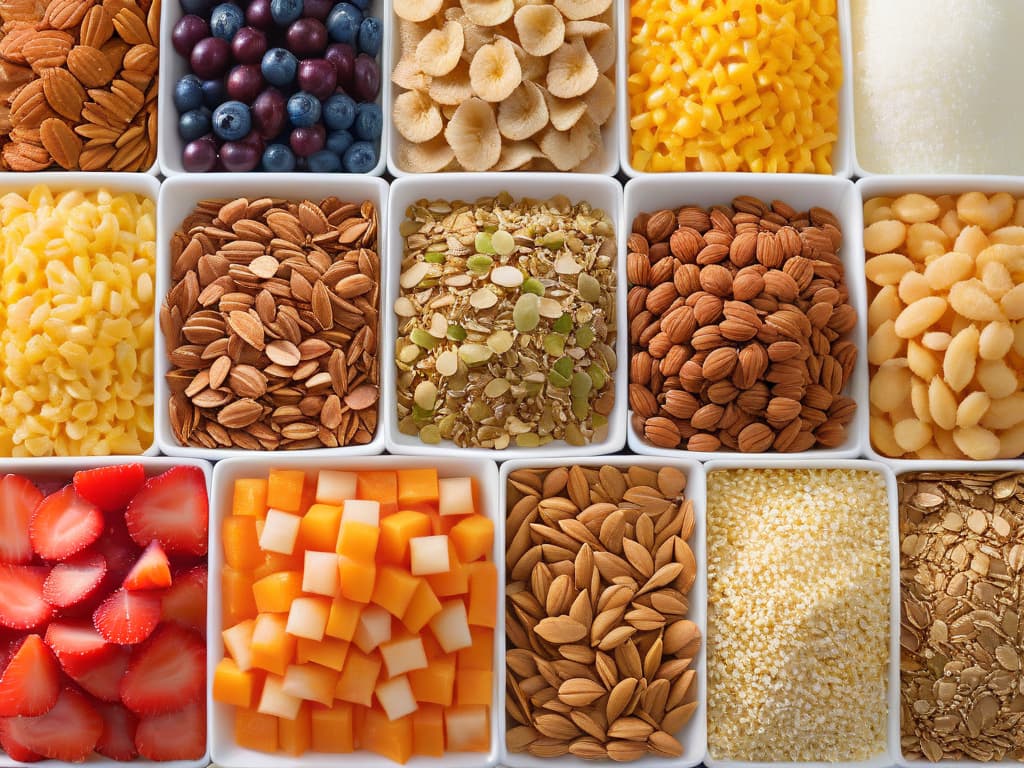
<point>584,336</point>
<point>503,243</point>
<point>528,440</point>
<point>456,332</point>
<point>500,342</point>
<point>532,285</point>
<point>554,344</point>
<point>430,434</point>
<point>409,353</point>
<point>526,313</point>
<point>552,240</point>
<point>433,257</point>
<point>483,243</point>
<point>421,338</point>
<point>562,324</point>
<point>479,410</point>
<point>555,379</point>
<point>479,263</point>
<point>589,288</point>
<point>564,365</point>
<point>446,426</point>
<point>581,385</point>
<point>474,354</point>
<point>580,408</point>
<point>597,376</point>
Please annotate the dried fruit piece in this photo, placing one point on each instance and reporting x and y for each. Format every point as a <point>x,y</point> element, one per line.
<point>473,135</point>
<point>494,71</point>
<point>61,142</point>
<point>571,70</point>
<point>541,29</point>
<point>524,112</point>
<point>440,50</point>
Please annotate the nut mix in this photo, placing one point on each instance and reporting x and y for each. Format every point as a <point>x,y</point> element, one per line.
<point>78,83</point>
<point>271,325</point>
<point>946,325</point>
<point>506,322</point>
<point>962,639</point>
<point>599,647</point>
<point>798,615</point>
<point>738,324</point>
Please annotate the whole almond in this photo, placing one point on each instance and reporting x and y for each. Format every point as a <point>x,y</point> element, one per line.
<point>560,629</point>
<point>580,691</point>
<point>660,226</point>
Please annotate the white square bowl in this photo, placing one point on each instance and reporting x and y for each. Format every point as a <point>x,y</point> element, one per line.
<point>610,132</point>
<point>893,186</point>
<point>173,67</point>
<point>842,150</point>
<point>225,752</point>
<point>62,469</point>
<point>601,192</point>
<point>62,181</point>
<point>694,734</point>
<point>653,192</point>
<point>888,757</point>
<point>178,198</point>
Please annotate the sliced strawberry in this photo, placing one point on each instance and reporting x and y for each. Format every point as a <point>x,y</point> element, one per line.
<point>118,550</point>
<point>110,488</point>
<point>31,681</point>
<point>18,497</point>
<point>127,617</point>
<point>21,597</point>
<point>14,749</point>
<point>77,646</point>
<point>63,524</point>
<point>173,509</point>
<point>165,673</point>
<point>152,571</point>
<point>185,601</point>
<point>74,580</point>
<point>67,732</point>
<point>179,735</point>
<point>118,739</point>
<point>103,679</point>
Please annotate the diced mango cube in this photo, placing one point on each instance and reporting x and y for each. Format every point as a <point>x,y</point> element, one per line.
<point>308,617</point>
<point>422,608</point>
<point>380,486</point>
<point>232,685</point>
<point>473,537</point>
<point>275,561</point>
<point>255,730</point>
<point>358,541</point>
<point>310,682</point>
<point>395,532</point>
<point>333,729</point>
<point>480,655</point>
<point>358,678</point>
<point>237,603</point>
<point>250,497</point>
<point>319,527</point>
<point>241,544</point>
<point>334,486</point>
<point>295,736</point>
<point>483,594</point>
<point>393,589</point>
<point>356,579</point>
<point>276,592</point>
<point>473,687</point>
<point>284,489</point>
<point>435,684</point>
<point>428,731</point>
<point>329,652</point>
<point>343,619</point>
<point>389,738</point>
<point>417,488</point>
<point>280,531</point>
<point>272,647</point>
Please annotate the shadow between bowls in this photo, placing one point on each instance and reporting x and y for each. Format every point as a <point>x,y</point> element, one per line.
<point>653,192</point>
<point>225,752</point>
<point>601,192</point>
<point>178,198</point>
<point>694,734</point>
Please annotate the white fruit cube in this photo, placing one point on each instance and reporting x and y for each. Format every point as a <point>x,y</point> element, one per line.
<point>310,682</point>
<point>308,617</point>
<point>395,697</point>
<point>320,574</point>
<point>403,656</point>
<point>274,701</point>
<point>451,626</point>
<point>373,629</point>
<point>238,642</point>
<point>455,496</point>
<point>333,487</point>
<point>361,511</point>
<point>465,728</point>
<point>428,554</point>
<point>280,530</point>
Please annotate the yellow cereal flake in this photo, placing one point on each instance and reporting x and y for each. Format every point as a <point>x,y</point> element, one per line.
<point>76,323</point>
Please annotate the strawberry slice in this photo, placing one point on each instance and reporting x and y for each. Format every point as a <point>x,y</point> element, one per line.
<point>185,601</point>
<point>118,739</point>
<point>31,681</point>
<point>77,646</point>
<point>179,735</point>
<point>13,748</point>
<point>118,550</point>
<point>103,680</point>
<point>165,673</point>
<point>67,732</point>
<point>21,597</point>
<point>74,580</point>
<point>18,497</point>
<point>127,617</point>
<point>64,524</point>
<point>152,571</point>
<point>110,488</point>
<point>173,509</point>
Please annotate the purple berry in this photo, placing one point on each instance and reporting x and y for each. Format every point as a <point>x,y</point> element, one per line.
<point>200,155</point>
<point>249,45</point>
<point>210,57</point>
<point>343,57</point>
<point>318,77</point>
<point>306,141</point>
<point>306,37</point>
<point>245,82</point>
<point>238,156</point>
<point>257,14</point>
<point>269,113</point>
<point>317,9</point>
<point>187,32</point>
<point>366,78</point>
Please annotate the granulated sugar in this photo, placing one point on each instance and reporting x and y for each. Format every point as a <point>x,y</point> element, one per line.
<point>937,85</point>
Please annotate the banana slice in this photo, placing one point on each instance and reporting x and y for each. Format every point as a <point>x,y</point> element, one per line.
<point>495,71</point>
<point>541,29</point>
<point>416,10</point>
<point>534,67</point>
<point>602,50</point>
<point>576,10</point>
<point>473,135</point>
<point>523,113</point>
<point>571,71</point>
<point>488,13</point>
<point>448,110</point>
<point>586,28</point>
<point>416,116</point>
<point>453,88</point>
<point>407,74</point>
<point>409,34</point>
<point>428,157</point>
<point>568,149</point>
<point>474,36</point>
<point>596,163</point>
<point>600,100</point>
<point>439,52</point>
<point>564,113</point>
<point>514,155</point>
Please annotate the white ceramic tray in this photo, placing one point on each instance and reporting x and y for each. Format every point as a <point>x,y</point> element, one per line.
<point>602,192</point>
<point>842,152</point>
<point>64,469</point>
<point>173,67</point>
<point>653,192</point>
<point>225,752</point>
<point>694,734</point>
<point>178,198</point>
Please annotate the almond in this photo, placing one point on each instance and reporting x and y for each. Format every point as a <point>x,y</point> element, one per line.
<point>90,66</point>
<point>660,226</point>
<point>131,27</point>
<point>756,438</point>
<point>580,691</point>
<point>61,142</point>
<point>97,27</point>
<point>685,243</point>
<point>716,280</point>
<point>46,49</point>
<point>354,285</point>
<point>661,432</point>
<point>560,629</point>
<point>660,298</point>
<point>65,14</point>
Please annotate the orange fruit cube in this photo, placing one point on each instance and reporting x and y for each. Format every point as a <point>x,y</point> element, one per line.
<point>473,537</point>
<point>319,528</point>
<point>358,678</point>
<point>254,730</point>
<point>473,687</point>
<point>356,579</point>
<point>343,618</point>
<point>482,610</point>
<point>333,728</point>
<point>389,738</point>
<point>428,731</point>
<point>436,683</point>
<point>467,729</point>
<point>276,592</point>
<point>329,652</point>
<point>380,486</point>
<point>284,489</point>
<point>480,655</point>
<point>295,736</point>
<point>241,544</point>
<point>231,685</point>
<point>358,541</point>
<point>456,581</point>
<point>417,488</point>
<point>250,497</point>
<point>393,589</point>
<point>275,561</point>
<point>237,602</point>
<point>422,608</point>
<point>272,648</point>
<point>395,532</point>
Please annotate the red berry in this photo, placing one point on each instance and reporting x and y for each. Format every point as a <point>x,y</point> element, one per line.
<point>67,732</point>
<point>64,524</point>
<point>151,571</point>
<point>179,735</point>
<point>75,580</point>
<point>31,681</point>
<point>173,509</point>
<point>18,497</point>
<point>127,617</point>
<point>21,597</point>
<point>165,673</point>
<point>110,488</point>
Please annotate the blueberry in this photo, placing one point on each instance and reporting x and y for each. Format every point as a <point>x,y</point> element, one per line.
<point>279,67</point>
<point>339,141</point>
<point>188,93</point>
<point>278,158</point>
<point>339,112</point>
<point>369,122</point>
<point>303,110</point>
<point>343,23</point>
<point>284,12</point>
<point>324,161</point>
<point>232,120</point>
<point>362,5</point>
<point>215,93</point>
<point>361,157</point>
<point>225,20</point>
<point>370,33</point>
<point>198,7</point>
<point>193,124</point>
